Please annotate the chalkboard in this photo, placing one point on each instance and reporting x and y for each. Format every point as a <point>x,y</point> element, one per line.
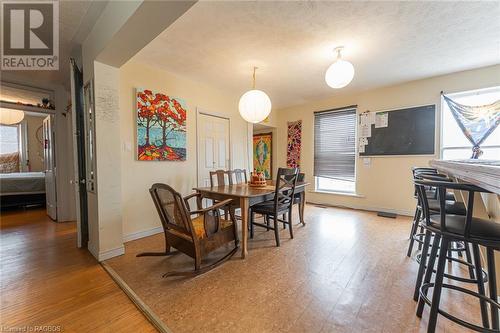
<point>410,131</point>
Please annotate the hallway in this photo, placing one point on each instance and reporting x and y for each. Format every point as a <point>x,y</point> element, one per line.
<point>46,280</point>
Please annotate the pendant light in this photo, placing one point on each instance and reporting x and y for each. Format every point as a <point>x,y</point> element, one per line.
<point>10,116</point>
<point>254,105</point>
<point>340,73</point>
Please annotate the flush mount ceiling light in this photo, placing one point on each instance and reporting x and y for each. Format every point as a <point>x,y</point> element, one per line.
<point>10,116</point>
<point>254,105</point>
<point>340,73</point>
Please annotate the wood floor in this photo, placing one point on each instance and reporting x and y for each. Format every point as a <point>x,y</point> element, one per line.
<point>46,280</point>
<point>345,271</point>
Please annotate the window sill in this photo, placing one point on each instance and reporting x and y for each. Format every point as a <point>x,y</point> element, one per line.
<point>347,194</point>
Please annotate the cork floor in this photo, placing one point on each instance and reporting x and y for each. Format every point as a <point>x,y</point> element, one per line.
<point>345,271</point>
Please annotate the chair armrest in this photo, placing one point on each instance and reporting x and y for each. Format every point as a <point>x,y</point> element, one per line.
<point>214,207</point>
<point>193,195</point>
<point>187,197</point>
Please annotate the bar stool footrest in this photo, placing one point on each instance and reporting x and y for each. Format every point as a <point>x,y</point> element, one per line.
<point>425,287</point>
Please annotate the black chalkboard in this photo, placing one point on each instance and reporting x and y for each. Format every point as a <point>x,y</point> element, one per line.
<point>410,131</point>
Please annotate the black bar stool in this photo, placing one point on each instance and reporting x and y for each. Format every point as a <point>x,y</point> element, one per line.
<point>448,228</point>
<point>453,207</point>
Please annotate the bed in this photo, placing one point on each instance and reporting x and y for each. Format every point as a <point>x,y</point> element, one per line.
<point>22,188</point>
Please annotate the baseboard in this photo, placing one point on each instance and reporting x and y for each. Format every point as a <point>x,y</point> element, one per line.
<point>105,255</point>
<point>142,234</point>
<point>367,208</point>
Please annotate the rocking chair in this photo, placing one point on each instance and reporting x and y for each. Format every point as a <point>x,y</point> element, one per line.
<point>194,233</point>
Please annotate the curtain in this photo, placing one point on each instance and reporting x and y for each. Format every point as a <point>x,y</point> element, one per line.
<point>477,122</point>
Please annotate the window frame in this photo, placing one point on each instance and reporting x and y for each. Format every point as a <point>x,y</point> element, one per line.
<point>356,156</point>
<point>441,122</point>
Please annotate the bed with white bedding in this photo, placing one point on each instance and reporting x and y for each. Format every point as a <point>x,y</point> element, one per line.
<point>22,188</point>
<point>22,183</point>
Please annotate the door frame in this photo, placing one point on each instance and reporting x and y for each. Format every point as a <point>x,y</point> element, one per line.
<point>199,112</point>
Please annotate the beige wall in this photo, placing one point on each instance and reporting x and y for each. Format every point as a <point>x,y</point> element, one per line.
<point>35,147</point>
<point>139,214</point>
<point>386,184</point>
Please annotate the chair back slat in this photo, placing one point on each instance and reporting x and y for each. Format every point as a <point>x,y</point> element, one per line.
<point>220,178</point>
<point>240,176</point>
<point>286,181</point>
<point>171,208</point>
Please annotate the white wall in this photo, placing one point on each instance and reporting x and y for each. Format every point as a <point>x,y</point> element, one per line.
<point>139,213</point>
<point>386,185</point>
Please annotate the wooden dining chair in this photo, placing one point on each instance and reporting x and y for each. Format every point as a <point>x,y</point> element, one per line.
<point>282,203</point>
<point>240,176</point>
<point>220,178</point>
<point>195,233</point>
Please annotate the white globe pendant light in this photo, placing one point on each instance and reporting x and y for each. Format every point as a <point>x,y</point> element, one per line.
<point>254,105</point>
<point>10,116</point>
<point>340,73</point>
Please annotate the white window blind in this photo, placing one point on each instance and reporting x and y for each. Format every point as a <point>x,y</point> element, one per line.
<point>335,143</point>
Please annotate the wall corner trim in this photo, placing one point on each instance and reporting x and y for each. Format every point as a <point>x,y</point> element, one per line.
<point>108,254</point>
<point>141,234</point>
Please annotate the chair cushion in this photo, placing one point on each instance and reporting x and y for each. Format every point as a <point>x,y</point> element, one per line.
<point>199,225</point>
<point>267,207</point>
<point>452,207</point>
<point>480,228</point>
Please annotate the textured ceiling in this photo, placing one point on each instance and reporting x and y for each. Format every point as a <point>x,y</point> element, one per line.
<point>218,43</point>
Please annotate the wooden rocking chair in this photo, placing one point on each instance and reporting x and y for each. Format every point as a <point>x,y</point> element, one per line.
<point>195,233</point>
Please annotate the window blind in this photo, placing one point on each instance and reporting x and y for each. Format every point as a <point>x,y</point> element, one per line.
<point>335,143</point>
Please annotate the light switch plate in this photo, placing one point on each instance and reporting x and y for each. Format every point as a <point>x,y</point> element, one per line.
<point>367,162</point>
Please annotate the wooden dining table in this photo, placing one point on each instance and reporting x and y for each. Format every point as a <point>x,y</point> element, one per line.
<point>248,196</point>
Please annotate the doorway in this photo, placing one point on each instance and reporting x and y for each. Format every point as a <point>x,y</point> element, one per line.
<point>27,149</point>
<point>213,142</point>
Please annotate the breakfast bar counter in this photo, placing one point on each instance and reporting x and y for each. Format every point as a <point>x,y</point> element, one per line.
<point>483,173</point>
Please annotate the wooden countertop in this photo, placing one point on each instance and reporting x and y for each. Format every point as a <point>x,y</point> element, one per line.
<point>483,173</point>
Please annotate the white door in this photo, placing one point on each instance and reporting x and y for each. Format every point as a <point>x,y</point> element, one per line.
<point>49,167</point>
<point>213,146</point>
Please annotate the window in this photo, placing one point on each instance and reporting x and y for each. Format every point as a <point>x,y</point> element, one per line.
<point>335,150</point>
<point>454,144</point>
<point>9,139</point>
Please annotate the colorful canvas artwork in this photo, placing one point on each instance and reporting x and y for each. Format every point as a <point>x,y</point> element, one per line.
<point>262,144</point>
<point>161,127</point>
<point>294,144</point>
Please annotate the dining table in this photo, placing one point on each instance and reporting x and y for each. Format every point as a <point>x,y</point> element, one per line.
<point>245,196</point>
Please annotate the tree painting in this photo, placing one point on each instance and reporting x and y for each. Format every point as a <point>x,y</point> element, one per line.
<point>161,127</point>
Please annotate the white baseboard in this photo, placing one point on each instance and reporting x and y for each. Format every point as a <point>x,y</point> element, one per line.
<point>368,208</point>
<point>142,234</point>
<point>108,254</point>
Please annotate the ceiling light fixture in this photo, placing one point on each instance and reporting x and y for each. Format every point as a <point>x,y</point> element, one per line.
<point>10,116</point>
<point>254,105</point>
<point>340,73</point>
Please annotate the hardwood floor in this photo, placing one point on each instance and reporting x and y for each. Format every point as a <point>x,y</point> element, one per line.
<point>47,281</point>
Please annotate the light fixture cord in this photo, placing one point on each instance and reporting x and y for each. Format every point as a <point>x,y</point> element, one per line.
<point>253,85</point>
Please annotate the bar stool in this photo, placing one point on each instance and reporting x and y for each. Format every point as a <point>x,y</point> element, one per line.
<point>454,246</point>
<point>452,206</point>
<point>448,228</point>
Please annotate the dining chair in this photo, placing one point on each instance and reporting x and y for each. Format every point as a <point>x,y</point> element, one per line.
<point>240,176</point>
<point>195,233</point>
<point>220,178</point>
<point>282,203</point>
